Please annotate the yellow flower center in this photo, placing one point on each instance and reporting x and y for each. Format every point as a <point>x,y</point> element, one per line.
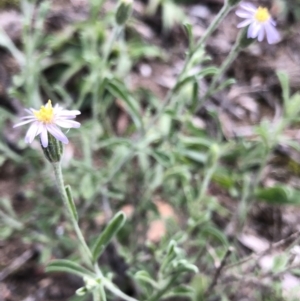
<point>45,114</point>
<point>262,14</point>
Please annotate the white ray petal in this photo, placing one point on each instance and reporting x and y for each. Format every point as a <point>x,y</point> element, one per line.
<point>29,111</point>
<point>244,23</point>
<point>249,7</point>
<point>28,117</point>
<point>67,123</point>
<point>272,34</point>
<point>261,34</point>
<point>31,133</point>
<point>68,113</point>
<point>253,30</point>
<point>44,137</point>
<point>244,14</point>
<point>57,133</point>
<point>22,123</point>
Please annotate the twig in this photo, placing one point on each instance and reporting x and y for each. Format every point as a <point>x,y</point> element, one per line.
<point>17,263</point>
<point>218,271</point>
<point>272,247</point>
<point>258,279</point>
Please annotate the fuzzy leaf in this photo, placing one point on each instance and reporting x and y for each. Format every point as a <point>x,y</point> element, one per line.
<point>119,91</point>
<point>115,224</point>
<point>71,204</point>
<point>63,265</point>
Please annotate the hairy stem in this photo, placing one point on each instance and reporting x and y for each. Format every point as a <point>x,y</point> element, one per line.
<point>61,187</point>
<point>220,16</point>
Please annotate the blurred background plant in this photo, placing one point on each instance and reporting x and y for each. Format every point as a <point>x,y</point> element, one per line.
<point>192,180</point>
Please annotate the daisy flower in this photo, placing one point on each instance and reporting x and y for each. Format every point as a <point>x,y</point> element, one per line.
<point>260,23</point>
<point>48,120</point>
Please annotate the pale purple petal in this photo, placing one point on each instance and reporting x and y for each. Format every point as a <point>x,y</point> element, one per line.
<point>41,127</point>
<point>57,133</point>
<point>253,30</point>
<point>65,117</point>
<point>261,34</point>
<point>244,23</point>
<point>32,131</point>
<point>68,113</point>
<point>272,34</point>
<point>22,123</point>
<point>248,6</point>
<point>67,123</point>
<point>28,117</point>
<point>244,14</point>
<point>44,137</point>
<point>272,21</point>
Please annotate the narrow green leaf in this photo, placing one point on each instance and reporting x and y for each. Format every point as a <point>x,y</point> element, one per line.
<point>63,265</point>
<point>162,157</point>
<point>183,290</point>
<point>225,84</point>
<point>285,86</point>
<point>6,42</point>
<point>280,194</point>
<point>188,29</point>
<point>195,96</point>
<point>119,91</point>
<point>200,157</point>
<point>196,76</point>
<point>214,233</point>
<point>208,71</point>
<point>71,204</point>
<point>183,265</point>
<point>195,141</point>
<point>144,276</point>
<point>115,224</point>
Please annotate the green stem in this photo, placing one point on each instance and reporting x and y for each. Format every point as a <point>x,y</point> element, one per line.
<point>102,293</point>
<point>61,187</point>
<point>220,16</point>
<point>96,295</point>
<point>206,181</point>
<point>115,290</point>
<point>99,293</point>
<point>218,19</point>
<point>261,169</point>
<point>113,37</point>
<point>94,69</point>
<point>228,61</point>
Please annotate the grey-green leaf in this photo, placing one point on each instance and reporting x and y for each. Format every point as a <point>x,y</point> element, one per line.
<point>71,202</point>
<point>63,265</point>
<point>109,232</point>
<point>119,91</point>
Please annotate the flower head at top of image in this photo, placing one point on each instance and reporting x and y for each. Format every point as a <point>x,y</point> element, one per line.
<point>260,23</point>
<point>48,120</point>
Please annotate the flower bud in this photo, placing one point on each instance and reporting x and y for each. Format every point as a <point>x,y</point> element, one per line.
<point>124,11</point>
<point>54,150</point>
